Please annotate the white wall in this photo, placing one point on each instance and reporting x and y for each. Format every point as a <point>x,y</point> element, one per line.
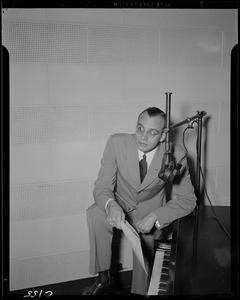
<point>78,75</point>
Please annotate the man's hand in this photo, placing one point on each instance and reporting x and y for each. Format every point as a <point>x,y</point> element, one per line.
<point>146,224</point>
<point>115,214</point>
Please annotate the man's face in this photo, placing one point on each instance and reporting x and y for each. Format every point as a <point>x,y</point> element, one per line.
<point>149,131</point>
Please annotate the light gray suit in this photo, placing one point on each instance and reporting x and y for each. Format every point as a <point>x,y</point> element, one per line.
<point>119,178</point>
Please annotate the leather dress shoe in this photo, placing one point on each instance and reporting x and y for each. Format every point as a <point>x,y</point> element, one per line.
<point>101,288</point>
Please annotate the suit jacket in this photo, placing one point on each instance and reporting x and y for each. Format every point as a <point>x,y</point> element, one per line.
<point>119,178</point>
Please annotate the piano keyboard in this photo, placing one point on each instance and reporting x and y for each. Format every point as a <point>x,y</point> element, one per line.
<point>160,272</point>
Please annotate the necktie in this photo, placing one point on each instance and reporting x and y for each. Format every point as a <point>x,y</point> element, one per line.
<point>143,167</point>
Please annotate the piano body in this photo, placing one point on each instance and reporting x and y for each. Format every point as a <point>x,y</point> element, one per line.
<point>196,259</point>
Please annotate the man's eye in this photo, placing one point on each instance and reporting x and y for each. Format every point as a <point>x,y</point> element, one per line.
<point>153,132</point>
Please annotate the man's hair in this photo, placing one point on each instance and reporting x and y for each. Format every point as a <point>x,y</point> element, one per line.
<point>153,112</point>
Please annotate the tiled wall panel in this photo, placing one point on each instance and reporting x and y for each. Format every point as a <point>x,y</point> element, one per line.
<point>28,84</point>
<point>55,42</point>
<point>213,148</point>
<point>225,119</point>
<point>112,119</point>
<point>31,238</point>
<point>30,164</point>
<point>85,84</point>
<point>190,47</point>
<point>55,268</point>
<point>48,124</point>
<point>76,160</point>
<point>150,83</point>
<point>208,186</point>
<point>123,44</point>
<point>45,269</point>
<point>48,235</point>
<point>48,200</point>
<point>37,42</point>
<point>106,44</point>
<point>206,83</point>
<point>141,45</point>
<point>223,183</point>
<point>68,234</point>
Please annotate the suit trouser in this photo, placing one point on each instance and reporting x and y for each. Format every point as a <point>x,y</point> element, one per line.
<point>100,237</point>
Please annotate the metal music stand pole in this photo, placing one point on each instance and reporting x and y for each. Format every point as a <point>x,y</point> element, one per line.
<point>199,143</point>
<point>198,184</point>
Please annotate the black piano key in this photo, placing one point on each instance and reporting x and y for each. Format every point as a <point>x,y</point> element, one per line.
<point>164,270</point>
<point>161,292</point>
<point>165,263</point>
<point>162,285</point>
<point>164,277</point>
<point>166,258</point>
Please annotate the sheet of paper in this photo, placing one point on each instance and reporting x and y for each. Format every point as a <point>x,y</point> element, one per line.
<point>135,242</point>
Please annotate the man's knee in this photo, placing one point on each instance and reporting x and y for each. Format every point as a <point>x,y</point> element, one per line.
<point>95,213</point>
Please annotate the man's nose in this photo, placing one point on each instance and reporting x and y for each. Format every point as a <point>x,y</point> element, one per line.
<point>144,136</point>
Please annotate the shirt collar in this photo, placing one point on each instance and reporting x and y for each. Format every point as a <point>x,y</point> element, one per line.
<point>149,154</point>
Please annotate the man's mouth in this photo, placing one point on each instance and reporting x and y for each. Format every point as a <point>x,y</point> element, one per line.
<point>143,144</point>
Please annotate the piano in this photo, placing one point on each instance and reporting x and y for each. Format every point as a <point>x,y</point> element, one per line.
<point>162,277</point>
<point>163,270</point>
<point>193,256</point>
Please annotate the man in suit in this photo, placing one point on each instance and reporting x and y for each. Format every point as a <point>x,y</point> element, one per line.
<point>120,194</point>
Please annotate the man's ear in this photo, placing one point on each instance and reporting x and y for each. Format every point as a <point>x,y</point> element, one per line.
<point>163,136</point>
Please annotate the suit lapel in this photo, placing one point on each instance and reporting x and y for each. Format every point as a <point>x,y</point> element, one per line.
<point>154,167</point>
<point>133,164</point>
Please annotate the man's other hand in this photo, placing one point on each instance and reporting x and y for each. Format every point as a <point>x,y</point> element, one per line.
<point>115,214</point>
